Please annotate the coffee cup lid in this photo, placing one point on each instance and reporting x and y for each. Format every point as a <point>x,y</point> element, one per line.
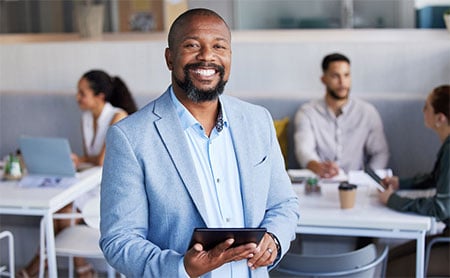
<point>347,186</point>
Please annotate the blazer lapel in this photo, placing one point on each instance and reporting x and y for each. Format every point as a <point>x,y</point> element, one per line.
<point>243,146</point>
<point>173,137</point>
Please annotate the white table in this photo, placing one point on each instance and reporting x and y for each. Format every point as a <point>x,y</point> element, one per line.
<point>16,200</point>
<point>321,215</point>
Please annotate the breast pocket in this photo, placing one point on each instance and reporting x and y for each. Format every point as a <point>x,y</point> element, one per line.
<point>261,168</point>
<point>261,161</point>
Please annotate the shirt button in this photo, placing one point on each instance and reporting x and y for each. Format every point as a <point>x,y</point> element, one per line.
<point>218,180</point>
<point>227,219</point>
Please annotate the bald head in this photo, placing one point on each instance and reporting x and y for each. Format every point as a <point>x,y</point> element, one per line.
<point>188,16</point>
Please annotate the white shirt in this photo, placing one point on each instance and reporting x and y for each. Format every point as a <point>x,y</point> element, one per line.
<point>94,140</point>
<point>351,139</point>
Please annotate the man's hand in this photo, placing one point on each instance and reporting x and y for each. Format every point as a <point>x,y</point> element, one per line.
<point>198,262</point>
<point>265,254</point>
<point>326,169</point>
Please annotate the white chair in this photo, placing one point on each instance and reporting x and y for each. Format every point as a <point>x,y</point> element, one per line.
<point>4,270</point>
<point>80,240</point>
<point>359,263</point>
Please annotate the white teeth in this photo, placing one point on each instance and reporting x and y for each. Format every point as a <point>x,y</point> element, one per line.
<point>205,72</point>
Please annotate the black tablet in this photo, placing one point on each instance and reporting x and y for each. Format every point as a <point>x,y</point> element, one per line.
<point>210,237</point>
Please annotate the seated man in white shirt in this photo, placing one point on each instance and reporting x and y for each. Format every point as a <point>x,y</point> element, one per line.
<point>337,131</point>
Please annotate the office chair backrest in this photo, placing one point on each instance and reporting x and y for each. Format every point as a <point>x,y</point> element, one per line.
<point>358,263</point>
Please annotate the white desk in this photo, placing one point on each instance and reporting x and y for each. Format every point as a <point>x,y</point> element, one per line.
<point>321,215</point>
<point>44,202</point>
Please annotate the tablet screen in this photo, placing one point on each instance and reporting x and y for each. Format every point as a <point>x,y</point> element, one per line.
<point>210,237</point>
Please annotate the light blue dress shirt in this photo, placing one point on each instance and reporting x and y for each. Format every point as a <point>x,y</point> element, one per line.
<point>216,166</point>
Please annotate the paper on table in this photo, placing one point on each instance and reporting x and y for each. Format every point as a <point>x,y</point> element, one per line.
<point>46,181</point>
<point>340,177</point>
<point>300,175</point>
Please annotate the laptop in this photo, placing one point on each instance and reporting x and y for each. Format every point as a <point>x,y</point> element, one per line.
<point>48,162</point>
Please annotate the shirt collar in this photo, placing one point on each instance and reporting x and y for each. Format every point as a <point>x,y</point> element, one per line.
<point>344,109</point>
<point>347,106</point>
<point>187,120</point>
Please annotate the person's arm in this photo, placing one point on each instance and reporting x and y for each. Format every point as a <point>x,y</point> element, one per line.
<point>305,143</point>
<point>306,148</point>
<point>437,206</point>
<point>282,206</point>
<point>98,159</point>
<point>376,147</point>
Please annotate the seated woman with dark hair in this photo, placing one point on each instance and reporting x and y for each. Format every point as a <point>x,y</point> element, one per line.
<point>104,101</point>
<point>436,115</point>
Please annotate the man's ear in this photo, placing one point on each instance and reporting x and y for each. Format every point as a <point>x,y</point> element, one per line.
<point>442,118</point>
<point>322,78</point>
<point>168,56</point>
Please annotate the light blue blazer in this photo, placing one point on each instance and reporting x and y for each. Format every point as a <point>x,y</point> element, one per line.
<point>150,198</point>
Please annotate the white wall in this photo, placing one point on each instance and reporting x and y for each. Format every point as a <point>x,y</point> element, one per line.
<point>265,63</point>
<point>57,66</point>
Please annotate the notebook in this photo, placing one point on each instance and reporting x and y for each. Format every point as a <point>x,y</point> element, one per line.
<point>48,162</point>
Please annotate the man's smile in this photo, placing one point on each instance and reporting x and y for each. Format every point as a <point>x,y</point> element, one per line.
<point>204,72</point>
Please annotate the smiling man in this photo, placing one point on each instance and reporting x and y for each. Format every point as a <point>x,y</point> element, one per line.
<point>195,158</point>
<point>337,131</point>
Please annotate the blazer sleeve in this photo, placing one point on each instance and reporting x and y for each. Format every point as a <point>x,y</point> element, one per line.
<point>124,215</point>
<point>282,210</point>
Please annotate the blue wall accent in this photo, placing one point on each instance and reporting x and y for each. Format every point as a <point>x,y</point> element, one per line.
<point>431,17</point>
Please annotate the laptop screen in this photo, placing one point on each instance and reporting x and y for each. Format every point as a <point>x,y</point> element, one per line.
<point>47,156</point>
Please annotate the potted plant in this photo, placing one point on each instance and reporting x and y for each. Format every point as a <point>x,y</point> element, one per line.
<point>90,18</point>
<point>447,19</point>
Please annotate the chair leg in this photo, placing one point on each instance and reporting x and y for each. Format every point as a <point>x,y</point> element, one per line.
<point>384,264</point>
<point>71,266</point>
<point>42,251</point>
<point>111,271</point>
<point>11,256</point>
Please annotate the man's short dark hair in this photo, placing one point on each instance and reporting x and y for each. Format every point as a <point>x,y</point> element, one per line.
<point>334,57</point>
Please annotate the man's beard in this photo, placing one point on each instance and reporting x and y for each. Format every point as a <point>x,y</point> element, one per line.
<point>198,95</point>
<point>333,94</point>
